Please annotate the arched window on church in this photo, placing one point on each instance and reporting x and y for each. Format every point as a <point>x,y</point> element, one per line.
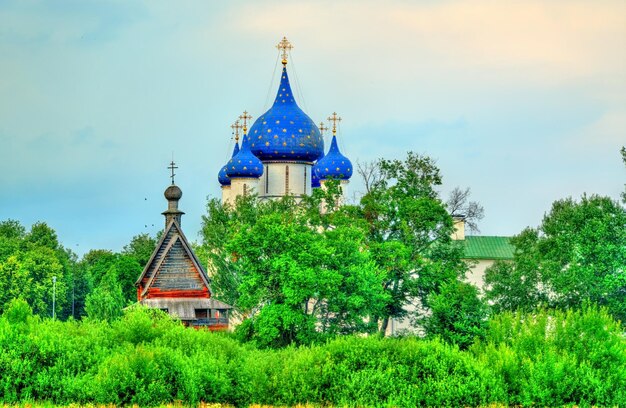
<point>286,180</point>
<point>304,191</point>
<point>245,189</point>
<point>267,180</point>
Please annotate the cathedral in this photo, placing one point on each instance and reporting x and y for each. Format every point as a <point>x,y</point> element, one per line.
<point>283,151</point>
<point>281,154</point>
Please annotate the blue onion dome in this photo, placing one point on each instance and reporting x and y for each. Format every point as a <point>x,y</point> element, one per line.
<point>222,177</point>
<point>285,132</point>
<point>334,164</point>
<point>244,164</point>
<point>315,181</point>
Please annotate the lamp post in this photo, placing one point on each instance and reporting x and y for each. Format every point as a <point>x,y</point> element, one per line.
<point>54,296</point>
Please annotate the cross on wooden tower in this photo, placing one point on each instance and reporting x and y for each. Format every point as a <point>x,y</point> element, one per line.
<point>334,118</point>
<point>236,126</point>
<point>172,166</point>
<point>323,128</point>
<point>245,117</point>
<point>285,46</point>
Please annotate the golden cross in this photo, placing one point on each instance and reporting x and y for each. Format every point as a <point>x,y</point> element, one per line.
<point>334,118</point>
<point>245,117</point>
<point>172,166</point>
<point>285,46</point>
<point>323,128</point>
<point>236,126</point>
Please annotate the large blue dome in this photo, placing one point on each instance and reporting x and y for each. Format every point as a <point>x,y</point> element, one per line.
<point>334,164</point>
<point>285,132</point>
<point>244,164</point>
<point>222,176</point>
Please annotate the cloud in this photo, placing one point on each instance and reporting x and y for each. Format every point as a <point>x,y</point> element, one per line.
<point>561,39</point>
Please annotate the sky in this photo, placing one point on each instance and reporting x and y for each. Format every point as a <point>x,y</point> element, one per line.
<point>522,102</point>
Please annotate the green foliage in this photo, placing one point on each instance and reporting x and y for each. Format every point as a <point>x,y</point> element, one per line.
<point>98,263</point>
<point>578,254</point>
<point>409,233</point>
<point>297,274</point>
<point>107,300</point>
<point>140,248</point>
<point>28,262</point>
<point>30,259</point>
<point>545,359</point>
<point>517,285</point>
<point>18,311</point>
<point>28,274</point>
<point>457,315</point>
<point>556,358</point>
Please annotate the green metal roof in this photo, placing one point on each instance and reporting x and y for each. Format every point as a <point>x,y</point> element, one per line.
<point>482,247</point>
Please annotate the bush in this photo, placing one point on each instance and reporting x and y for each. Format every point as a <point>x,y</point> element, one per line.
<point>549,358</point>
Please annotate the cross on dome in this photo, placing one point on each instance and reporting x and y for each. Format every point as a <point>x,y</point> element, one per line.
<point>334,118</point>
<point>172,166</point>
<point>236,126</point>
<point>245,117</point>
<point>284,46</point>
<point>322,128</point>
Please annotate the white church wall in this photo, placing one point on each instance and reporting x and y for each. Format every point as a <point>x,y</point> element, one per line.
<point>476,273</point>
<point>243,186</point>
<point>225,194</point>
<point>281,178</point>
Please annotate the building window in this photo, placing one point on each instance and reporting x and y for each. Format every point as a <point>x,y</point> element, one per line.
<point>202,313</point>
<point>286,180</point>
<point>245,190</point>
<point>304,192</point>
<point>267,180</point>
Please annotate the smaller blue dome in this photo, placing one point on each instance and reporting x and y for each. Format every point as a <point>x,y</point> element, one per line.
<point>244,164</point>
<point>222,177</point>
<point>334,164</point>
<point>315,181</point>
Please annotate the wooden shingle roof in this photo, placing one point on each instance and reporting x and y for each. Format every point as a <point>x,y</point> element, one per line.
<point>173,266</point>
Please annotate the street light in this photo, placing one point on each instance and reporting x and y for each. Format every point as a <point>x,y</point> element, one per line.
<point>54,295</point>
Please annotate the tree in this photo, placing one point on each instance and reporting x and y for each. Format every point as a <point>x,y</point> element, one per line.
<point>128,270</point>
<point>107,300</point>
<point>518,285</point>
<point>458,205</point>
<point>28,263</point>
<point>369,172</point>
<point>409,234</point>
<point>457,314</point>
<point>98,263</point>
<point>18,311</point>
<point>294,276</point>
<point>41,235</point>
<point>29,275</point>
<point>577,255</point>
<point>140,247</point>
